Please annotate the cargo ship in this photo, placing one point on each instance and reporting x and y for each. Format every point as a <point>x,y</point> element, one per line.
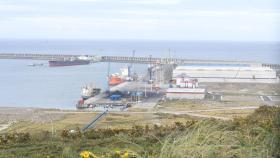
<point>115,79</point>
<point>89,91</point>
<point>73,61</point>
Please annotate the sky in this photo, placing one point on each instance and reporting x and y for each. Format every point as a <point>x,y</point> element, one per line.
<point>229,20</point>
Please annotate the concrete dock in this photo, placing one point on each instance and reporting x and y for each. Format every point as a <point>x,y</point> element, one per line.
<point>148,98</point>
<point>129,59</point>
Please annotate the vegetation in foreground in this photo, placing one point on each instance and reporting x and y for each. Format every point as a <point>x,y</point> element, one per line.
<point>257,135</point>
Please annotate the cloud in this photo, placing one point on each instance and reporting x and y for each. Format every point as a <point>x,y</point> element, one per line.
<point>140,28</point>
<point>12,7</point>
<point>202,13</point>
<point>152,19</point>
<point>154,2</point>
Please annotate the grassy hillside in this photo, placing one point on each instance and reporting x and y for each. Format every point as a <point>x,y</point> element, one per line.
<point>257,135</point>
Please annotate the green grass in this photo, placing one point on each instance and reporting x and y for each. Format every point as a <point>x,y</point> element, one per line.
<point>216,139</point>
<point>257,135</point>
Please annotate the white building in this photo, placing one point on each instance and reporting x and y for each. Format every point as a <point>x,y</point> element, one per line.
<point>185,88</point>
<point>228,73</point>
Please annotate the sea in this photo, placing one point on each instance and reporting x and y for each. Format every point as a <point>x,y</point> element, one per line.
<point>59,87</point>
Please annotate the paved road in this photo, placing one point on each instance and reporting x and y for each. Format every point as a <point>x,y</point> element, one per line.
<point>188,112</point>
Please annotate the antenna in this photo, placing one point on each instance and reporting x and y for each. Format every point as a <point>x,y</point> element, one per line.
<point>108,76</point>
<point>131,64</point>
<point>150,70</point>
<point>169,55</point>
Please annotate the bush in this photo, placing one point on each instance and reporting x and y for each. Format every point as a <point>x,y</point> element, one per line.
<point>214,139</point>
<point>258,135</point>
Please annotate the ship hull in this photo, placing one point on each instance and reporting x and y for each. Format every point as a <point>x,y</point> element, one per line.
<point>56,63</point>
<point>85,97</point>
<point>114,83</point>
<point>115,80</point>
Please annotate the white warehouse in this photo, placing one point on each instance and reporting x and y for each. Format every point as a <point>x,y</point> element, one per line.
<point>228,73</point>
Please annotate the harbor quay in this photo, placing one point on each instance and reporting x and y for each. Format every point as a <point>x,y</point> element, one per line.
<point>125,59</point>
<point>165,79</point>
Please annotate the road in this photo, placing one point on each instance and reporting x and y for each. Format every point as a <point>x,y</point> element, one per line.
<point>188,112</point>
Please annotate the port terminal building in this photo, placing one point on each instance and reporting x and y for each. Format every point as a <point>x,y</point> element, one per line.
<point>228,73</point>
<point>184,87</point>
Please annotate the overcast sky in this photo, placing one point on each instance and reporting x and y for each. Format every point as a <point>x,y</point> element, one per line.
<point>238,20</point>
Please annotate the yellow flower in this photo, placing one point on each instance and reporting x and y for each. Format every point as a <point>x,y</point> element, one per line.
<point>118,152</point>
<point>125,154</point>
<point>87,154</point>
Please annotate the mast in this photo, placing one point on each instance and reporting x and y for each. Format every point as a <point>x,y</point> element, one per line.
<point>108,77</point>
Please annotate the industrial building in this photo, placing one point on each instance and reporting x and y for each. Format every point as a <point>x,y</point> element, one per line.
<point>228,73</point>
<point>183,87</point>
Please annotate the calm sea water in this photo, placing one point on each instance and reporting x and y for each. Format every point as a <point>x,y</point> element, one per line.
<point>46,87</point>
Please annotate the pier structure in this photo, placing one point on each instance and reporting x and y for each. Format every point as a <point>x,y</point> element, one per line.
<point>125,59</point>
<point>273,66</point>
<point>177,61</point>
<point>36,56</point>
<point>141,60</point>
